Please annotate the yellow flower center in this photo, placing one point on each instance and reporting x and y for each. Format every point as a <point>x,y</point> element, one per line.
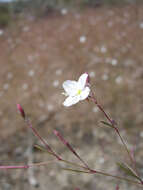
<point>78,92</point>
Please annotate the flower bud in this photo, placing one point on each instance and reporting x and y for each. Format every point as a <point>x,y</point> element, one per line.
<point>20,109</point>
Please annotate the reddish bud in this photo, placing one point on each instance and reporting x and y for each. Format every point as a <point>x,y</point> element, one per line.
<point>20,109</point>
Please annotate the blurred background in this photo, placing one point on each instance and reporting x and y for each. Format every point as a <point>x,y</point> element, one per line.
<point>42,44</point>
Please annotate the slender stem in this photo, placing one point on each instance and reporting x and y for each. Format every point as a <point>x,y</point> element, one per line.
<point>14,167</point>
<point>82,171</point>
<point>132,161</point>
<point>73,164</point>
<point>26,166</point>
<point>120,178</point>
<point>115,128</point>
<point>41,139</point>
<point>105,174</point>
<point>62,160</point>
<point>108,118</point>
<point>66,143</point>
<point>65,161</point>
<point>41,163</point>
<point>100,107</point>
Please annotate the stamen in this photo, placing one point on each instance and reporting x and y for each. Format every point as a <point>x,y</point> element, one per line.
<point>79,92</point>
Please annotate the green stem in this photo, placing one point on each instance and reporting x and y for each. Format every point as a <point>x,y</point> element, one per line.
<point>73,164</point>
<point>127,150</point>
<point>105,174</point>
<point>120,178</point>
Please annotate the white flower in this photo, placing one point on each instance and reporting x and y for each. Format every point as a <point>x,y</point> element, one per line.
<point>76,90</point>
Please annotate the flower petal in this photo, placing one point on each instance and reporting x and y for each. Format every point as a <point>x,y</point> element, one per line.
<point>85,93</point>
<point>82,80</point>
<point>70,87</point>
<point>71,101</point>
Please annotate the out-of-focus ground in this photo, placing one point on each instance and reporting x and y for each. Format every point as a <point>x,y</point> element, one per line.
<point>36,56</point>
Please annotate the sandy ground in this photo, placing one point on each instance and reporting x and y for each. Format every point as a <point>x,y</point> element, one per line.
<point>36,56</point>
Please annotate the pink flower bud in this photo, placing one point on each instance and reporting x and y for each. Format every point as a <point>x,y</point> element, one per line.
<point>20,109</point>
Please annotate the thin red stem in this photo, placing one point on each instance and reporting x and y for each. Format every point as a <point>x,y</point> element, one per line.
<point>14,167</point>
<point>41,139</point>
<point>62,139</point>
<point>115,128</point>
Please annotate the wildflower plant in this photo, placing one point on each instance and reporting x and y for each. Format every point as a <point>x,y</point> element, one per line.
<point>76,91</point>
